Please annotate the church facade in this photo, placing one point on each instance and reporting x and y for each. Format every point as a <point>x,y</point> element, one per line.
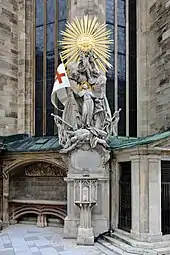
<point>134,192</point>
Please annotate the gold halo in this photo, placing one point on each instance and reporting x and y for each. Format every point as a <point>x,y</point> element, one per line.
<point>86,34</point>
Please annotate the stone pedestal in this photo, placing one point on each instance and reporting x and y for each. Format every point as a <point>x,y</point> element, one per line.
<point>85,236</point>
<point>85,231</point>
<point>83,223</point>
<point>71,224</point>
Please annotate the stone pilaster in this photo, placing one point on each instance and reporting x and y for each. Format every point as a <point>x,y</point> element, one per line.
<point>146,198</point>
<point>154,196</point>
<point>115,194</point>
<point>5,200</point>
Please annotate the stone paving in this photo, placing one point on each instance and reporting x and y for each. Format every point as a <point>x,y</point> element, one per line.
<point>26,240</point>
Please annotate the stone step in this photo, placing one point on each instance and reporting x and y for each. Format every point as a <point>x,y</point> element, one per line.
<point>127,247</point>
<point>130,241</point>
<point>109,248</point>
<point>102,246</point>
<point>124,237</point>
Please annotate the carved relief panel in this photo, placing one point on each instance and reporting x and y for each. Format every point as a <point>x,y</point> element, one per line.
<point>40,181</point>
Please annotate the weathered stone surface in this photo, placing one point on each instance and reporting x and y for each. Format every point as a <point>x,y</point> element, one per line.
<point>38,181</point>
<point>8,66</point>
<point>15,65</point>
<point>153,66</point>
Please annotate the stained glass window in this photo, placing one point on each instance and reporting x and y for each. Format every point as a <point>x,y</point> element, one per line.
<point>50,17</point>
<point>121,19</point>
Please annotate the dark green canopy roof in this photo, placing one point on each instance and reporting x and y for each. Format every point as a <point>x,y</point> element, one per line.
<point>25,143</point>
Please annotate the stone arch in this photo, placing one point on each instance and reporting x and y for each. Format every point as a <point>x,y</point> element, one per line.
<point>21,163</point>
<point>23,210</point>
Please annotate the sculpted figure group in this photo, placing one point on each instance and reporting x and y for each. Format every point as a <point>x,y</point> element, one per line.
<point>86,117</point>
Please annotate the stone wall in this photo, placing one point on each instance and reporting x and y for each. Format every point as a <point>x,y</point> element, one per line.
<point>25,66</point>
<point>15,66</point>
<point>153,66</point>
<point>38,188</point>
<point>8,67</point>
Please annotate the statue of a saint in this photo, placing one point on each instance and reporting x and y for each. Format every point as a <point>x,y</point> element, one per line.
<point>86,117</point>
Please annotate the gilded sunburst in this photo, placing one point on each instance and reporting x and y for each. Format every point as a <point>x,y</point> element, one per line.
<point>86,34</point>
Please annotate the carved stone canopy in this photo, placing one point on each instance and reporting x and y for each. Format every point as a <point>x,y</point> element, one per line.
<point>43,169</point>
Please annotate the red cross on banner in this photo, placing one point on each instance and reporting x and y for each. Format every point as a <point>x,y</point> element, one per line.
<point>60,85</point>
<point>59,76</point>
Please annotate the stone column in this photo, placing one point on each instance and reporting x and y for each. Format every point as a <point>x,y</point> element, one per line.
<point>155,197</point>
<point>41,221</point>
<point>136,196</point>
<point>115,194</point>
<point>146,198</point>
<point>5,200</point>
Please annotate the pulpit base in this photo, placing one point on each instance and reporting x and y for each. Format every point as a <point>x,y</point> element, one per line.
<point>85,236</point>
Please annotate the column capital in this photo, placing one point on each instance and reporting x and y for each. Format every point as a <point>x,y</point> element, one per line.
<point>135,157</point>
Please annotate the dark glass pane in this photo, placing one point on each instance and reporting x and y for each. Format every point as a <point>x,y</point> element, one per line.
<point>111,28</point>
<point>121,40</point>
<point>62,10</point>
<point>50,73</point>
<point>121,67</point>
<point>49,108</point>
<point>39,108</point>
<point>39,12</point>
<point>110,71</point>
<point>39,42</point>
<point>39,121</point>
<point>110,74</point>
<point>122,94</point>
<point>39,66</point>
<point>50,11</point>
<point>132,69</point>
<point>110,84</point>
<point>40,38</point>
<point>61,27</point>
<point>50,62</point>
<point>50,37</point>
<point>50,79</point>
<point>39,54</point>
<point>110,93</point>
<point>110,11</point>
<point>121,13</point>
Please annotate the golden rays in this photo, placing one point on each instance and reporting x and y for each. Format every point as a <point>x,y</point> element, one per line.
<point>86,35</point>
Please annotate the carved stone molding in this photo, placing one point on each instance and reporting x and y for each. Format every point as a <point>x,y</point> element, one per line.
<point>43,169</point>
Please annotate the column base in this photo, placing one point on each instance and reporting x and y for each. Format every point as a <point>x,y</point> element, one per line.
<point>85,236</point>
<point>41,221</point>
<point>13,222</point>
<point>70,227</point>
<point>5,224</point>
<point>146,237</point>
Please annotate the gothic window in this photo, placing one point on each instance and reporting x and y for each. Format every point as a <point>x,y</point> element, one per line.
<point>50,19</point>
<point>121,79</point>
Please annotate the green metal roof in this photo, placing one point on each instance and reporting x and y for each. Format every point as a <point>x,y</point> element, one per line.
<point>25,143</point>
<point>125,142</point>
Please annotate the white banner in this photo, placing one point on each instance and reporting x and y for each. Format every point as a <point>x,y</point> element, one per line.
<point>60,85</point>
